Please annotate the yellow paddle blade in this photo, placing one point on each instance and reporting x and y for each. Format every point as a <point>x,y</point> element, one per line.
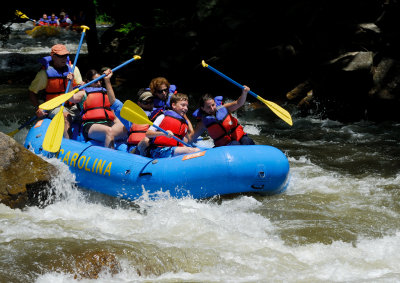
<point>133,113</point>
<point>279,111</point>
<point>21,15</point>
<point>11,134</point>
<point>33,30</point>
<point>55,131</point>
<point>57,101</point>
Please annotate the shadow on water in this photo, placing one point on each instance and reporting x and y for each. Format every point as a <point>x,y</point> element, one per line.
<point>344,189</point>
<point>359,149</point>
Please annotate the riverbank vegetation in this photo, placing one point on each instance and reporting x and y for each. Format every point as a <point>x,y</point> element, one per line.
<point>346,53</point>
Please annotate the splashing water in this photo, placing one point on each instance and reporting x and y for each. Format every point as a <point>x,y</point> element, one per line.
<point>338,221</point>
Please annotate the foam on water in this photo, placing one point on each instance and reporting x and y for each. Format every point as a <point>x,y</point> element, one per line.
<point>226,241</point>
<point>233,240</point>
<point>240,239</point>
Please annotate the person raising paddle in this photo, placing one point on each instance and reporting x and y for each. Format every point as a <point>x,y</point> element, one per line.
<point>98,120</point>
<point>217,119</point>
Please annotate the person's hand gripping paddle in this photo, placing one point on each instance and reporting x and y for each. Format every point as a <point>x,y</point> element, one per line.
<point>279,111</point>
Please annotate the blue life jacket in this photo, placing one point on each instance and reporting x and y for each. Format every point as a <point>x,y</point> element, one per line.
<point>56,78</point>
<point>198,113</point>
<point>222,127</point>
<point>158,103</point>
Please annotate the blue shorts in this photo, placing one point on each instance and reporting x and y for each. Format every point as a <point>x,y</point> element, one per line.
<point>162,152</point>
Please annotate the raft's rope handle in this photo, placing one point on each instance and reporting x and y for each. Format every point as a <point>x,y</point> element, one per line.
<point>80,154</point>
<point>144,167</point>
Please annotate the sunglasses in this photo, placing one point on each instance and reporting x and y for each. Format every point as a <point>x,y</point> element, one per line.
<point>160,91</point>
<point>61,56</point>
<point>147,102</point>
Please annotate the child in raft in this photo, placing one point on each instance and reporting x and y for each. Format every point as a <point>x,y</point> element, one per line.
<point>175,124</point>
<point>220,124</point>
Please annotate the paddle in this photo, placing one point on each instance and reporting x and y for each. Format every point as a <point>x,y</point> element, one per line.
<point>55,131</point>
<point>23,16</point>
<point>55,102</point>
<point>133,113</point>
<point>279,111</point>
<point>11,134</point>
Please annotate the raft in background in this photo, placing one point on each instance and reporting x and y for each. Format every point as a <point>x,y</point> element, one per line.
<point>217,171</point>
<point>43,31</point>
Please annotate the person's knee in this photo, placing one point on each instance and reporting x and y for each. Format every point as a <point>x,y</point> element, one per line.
<point>109,138</point>
<point>67,116</point>
<point>234,143</point>
<point>144,142</point>
<point>109,133</point>
<point>193,149</point>
<point>143,145</point>
<point>119,131</point>
<point>246,140</point>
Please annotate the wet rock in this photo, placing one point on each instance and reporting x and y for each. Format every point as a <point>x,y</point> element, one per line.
<point>91,264</point>
<point>361,61</point>
<point>300,90</point>
<point>24,177</point>
<point>353,86</point>
<point>386,77</point>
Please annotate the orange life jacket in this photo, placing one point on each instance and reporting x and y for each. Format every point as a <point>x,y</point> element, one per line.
<point>138,132</point>
<point>97,106</point>
<point>223,127</point>
<point>175,123</point>
<point>56,78</point>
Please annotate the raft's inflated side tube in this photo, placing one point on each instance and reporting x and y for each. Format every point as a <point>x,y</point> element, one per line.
<point>217,171</point>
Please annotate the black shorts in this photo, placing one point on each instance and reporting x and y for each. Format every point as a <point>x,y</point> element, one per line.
<point>85,130</point>
<point>245,140</point>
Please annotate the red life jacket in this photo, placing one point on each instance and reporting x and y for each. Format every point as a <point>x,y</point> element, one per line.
<point>56,78</point>
<point>97,106</point>
<point>43,22</point>
<point>63,23</point>
<point>175,123</point>
<point>223,127</point>
<point>138,132</point>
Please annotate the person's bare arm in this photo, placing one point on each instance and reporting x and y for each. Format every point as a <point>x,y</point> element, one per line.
<point>154,134</point>
<point>233,106</point>
<point>77,97</point>
<point>197,131</point>
<point>35,102</point>
<point>109,88</point>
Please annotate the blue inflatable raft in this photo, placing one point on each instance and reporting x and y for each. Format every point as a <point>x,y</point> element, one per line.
<point>216,171</point>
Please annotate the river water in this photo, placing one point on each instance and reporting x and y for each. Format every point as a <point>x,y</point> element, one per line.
<point>338,221</point>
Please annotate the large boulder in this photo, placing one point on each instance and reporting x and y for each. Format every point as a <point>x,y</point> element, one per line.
<point>91,264</point>
<point>24,177</point>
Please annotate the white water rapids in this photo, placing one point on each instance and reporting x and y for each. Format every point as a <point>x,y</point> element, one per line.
<point>338,221</point>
